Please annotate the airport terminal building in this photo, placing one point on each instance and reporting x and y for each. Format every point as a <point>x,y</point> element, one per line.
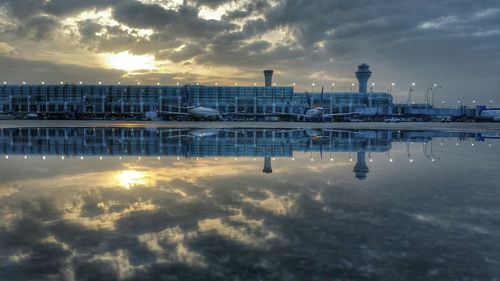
<point>172,102</point>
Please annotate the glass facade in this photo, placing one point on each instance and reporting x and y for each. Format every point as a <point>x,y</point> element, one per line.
<point>171,100</point>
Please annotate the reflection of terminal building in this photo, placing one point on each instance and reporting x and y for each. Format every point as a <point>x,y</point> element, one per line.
<point>262,143</point>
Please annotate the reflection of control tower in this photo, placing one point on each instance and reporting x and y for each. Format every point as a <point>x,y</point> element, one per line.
<point>267,165</point>
<point>361,169</point>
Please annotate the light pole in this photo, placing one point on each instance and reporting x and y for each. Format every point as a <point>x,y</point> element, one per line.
<point>426,98</point>
<point>474,103</point>
<point>352,85</point>
<point>491,103</point>
<point>333,85</point>
<point>312,87</point>
<point>434,92</point>
<point>442,102</point>
<point>371,88</point>
<point>392,86</point>
<point>412,88</point>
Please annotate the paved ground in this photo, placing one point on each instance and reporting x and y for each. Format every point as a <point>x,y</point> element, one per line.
<point>466,127</point>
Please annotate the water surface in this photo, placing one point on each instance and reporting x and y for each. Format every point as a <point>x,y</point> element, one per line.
<point>248,204</point>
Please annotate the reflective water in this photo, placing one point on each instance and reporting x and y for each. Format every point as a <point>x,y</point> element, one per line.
<point>248,204</point>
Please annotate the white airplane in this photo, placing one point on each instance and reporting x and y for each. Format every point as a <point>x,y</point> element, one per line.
<point>199,112</point>
<point>318,112</point>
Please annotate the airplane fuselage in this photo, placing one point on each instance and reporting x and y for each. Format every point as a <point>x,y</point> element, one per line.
<point>203,112</point>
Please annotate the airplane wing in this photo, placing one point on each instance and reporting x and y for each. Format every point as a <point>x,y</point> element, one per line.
<point>340,114</point>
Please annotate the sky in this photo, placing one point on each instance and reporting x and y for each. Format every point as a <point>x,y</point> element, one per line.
<point>454,43</point>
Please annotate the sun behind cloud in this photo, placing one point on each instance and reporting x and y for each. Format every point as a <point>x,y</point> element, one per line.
<point>129,62</point>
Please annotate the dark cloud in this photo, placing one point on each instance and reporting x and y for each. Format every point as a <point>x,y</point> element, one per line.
<point>454,43</point>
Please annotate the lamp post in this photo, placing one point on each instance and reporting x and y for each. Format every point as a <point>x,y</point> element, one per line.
<point>352,85</point>
<point>426,98</point>
<point>442,102</point>
<point>371,87</point>
<point>434,92</point>
<point>331,90</point>
<point>312,87</point>
<point>412,88</point>
<point>392,86</point>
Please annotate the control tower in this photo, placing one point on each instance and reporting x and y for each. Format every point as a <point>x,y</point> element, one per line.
<point>363,74</point>
<point>268,78</point>
<point>361,169</point>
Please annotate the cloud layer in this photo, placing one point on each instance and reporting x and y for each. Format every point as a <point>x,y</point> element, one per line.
<point>455,43</point>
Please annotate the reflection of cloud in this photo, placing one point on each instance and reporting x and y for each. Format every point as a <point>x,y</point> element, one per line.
<point>6,191</point>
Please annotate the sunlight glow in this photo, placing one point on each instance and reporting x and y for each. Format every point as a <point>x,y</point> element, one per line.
<point>130,178</point>
<point>129,62</point>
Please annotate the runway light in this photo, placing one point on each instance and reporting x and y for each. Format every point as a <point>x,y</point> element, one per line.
<point>120,158</point>
<point>255,84</point>
<point>5,83</point>
<point>371,160</point>
<point>24,83</point>
<point>214,159</point>
<point>254,159</point>
<point>61,82</point>
<point>158,84</point>
<point>293,159</point>
<point>177,83</point>
<point>43,83</point>
<point>458,144</point>
<point>178,158</point>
